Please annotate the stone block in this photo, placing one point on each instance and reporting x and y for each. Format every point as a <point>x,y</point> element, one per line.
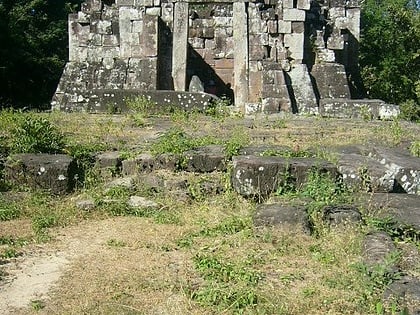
<point>196,42</point>
<point>288,4</point>
<point>272,27</point>
<point>137,26</point>
<point>261,39</point>
<point>298,27</point>
<point>401,166</point>
<point>337,3</point>
<point>269,14</point>
<point>206,159</point>
<point>255,26</point>
<point>167,12</point>
<point>257,52</point>
<point>303,90</point>
<point>331,80</point>
<point>270,105</point>
<point>336,12</point>
<point>155,11</point>
<point>224,21</point>
<point>104,27</point>
<point>52,172</point>
<point>335,42</point>
<point>294,42</point>
<point>127,3</point>
<point>294,15</point>
<point>110,40</point>
<point>272,90</point>
<point>255,83</point>
<point>304,4</point>
<point>143,3</point>
<point>95,39</point>
<point>254,176</point>
<point>364,173</point>
<point>280,215</point>
<point>224,63</point>
<point>226,75</point>
<point>353,3</point>
<point>341,215</point>
<point>403,208</point>
<point>149,36</point>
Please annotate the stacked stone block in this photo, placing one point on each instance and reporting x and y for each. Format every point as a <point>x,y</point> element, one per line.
<point>280,55</point>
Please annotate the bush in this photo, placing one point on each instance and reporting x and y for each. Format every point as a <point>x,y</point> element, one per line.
<point>36,135</point>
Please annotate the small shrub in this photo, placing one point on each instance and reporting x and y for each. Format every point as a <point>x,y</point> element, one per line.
<point>36,135</point>
<point>43,221</point>
<point>237,141</point>
<point>415,148</point>
<point>8,210</point>
<point>410,110</point>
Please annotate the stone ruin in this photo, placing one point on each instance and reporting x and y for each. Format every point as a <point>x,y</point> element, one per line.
<point>268,56</point>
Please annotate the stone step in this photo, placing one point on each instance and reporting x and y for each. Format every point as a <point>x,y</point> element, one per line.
<point>259,176</point>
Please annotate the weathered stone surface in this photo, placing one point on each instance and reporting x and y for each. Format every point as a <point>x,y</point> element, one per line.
<point>331,80</point>
<point>407,290</point>
<point>361,172</point>
<point>206,159</point>
<point>281,215</point>
<point>196,85</point>
<point>342,215</point>
<point>146,163</point>
<point>85,204</point>
<point>100,100</point>
<point>403,208</point>
<point>53,172</point>
<point>180,42</point>
<point>135,32</point>
<point>109,160</point>
<point>128,182</point>
<point>302,89</point>
<point>403,167</point>
<point>364,108</point>
<point>141,202</point>
<point>240,37</point>
<point>260,176</point>
<point>377,248</point>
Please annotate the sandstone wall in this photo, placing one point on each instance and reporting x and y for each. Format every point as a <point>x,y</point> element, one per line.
<point>271,56</point>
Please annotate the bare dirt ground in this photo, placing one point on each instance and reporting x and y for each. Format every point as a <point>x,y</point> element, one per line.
<point>86,251</point>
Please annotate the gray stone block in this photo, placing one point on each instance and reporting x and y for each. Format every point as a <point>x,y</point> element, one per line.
<point>254,176</point>
<point>52,172</point>
<point>331,80</point>
<point>281,215</point>
<point>206,159</point>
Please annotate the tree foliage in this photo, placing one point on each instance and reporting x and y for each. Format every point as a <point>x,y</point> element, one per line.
<point>390,50</point>
<point>33,51</point>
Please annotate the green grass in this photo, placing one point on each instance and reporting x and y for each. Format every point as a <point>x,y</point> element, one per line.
<point>224,264</point>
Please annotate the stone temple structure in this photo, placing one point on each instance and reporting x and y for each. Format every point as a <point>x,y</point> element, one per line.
<point>298,56</point>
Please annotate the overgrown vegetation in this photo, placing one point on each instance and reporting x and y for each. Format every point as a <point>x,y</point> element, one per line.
<point>389,54</point>
<point>202,246</point>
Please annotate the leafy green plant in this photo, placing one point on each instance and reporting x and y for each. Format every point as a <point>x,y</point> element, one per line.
<point>36,135</point>
<point>37,305</point>
<point>41,222</point>
<point>176,141</point>
<point>115,243</point>
<point>9,253</point>
<point>415,148</point>
<point>8,210</point>
<point>219,108</point>
<point>410,110</point>
<point>236,141</point>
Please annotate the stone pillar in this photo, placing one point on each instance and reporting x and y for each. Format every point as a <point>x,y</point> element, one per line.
<point>73,29</point>
<point>240,66</point>
<point>179,46</point>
